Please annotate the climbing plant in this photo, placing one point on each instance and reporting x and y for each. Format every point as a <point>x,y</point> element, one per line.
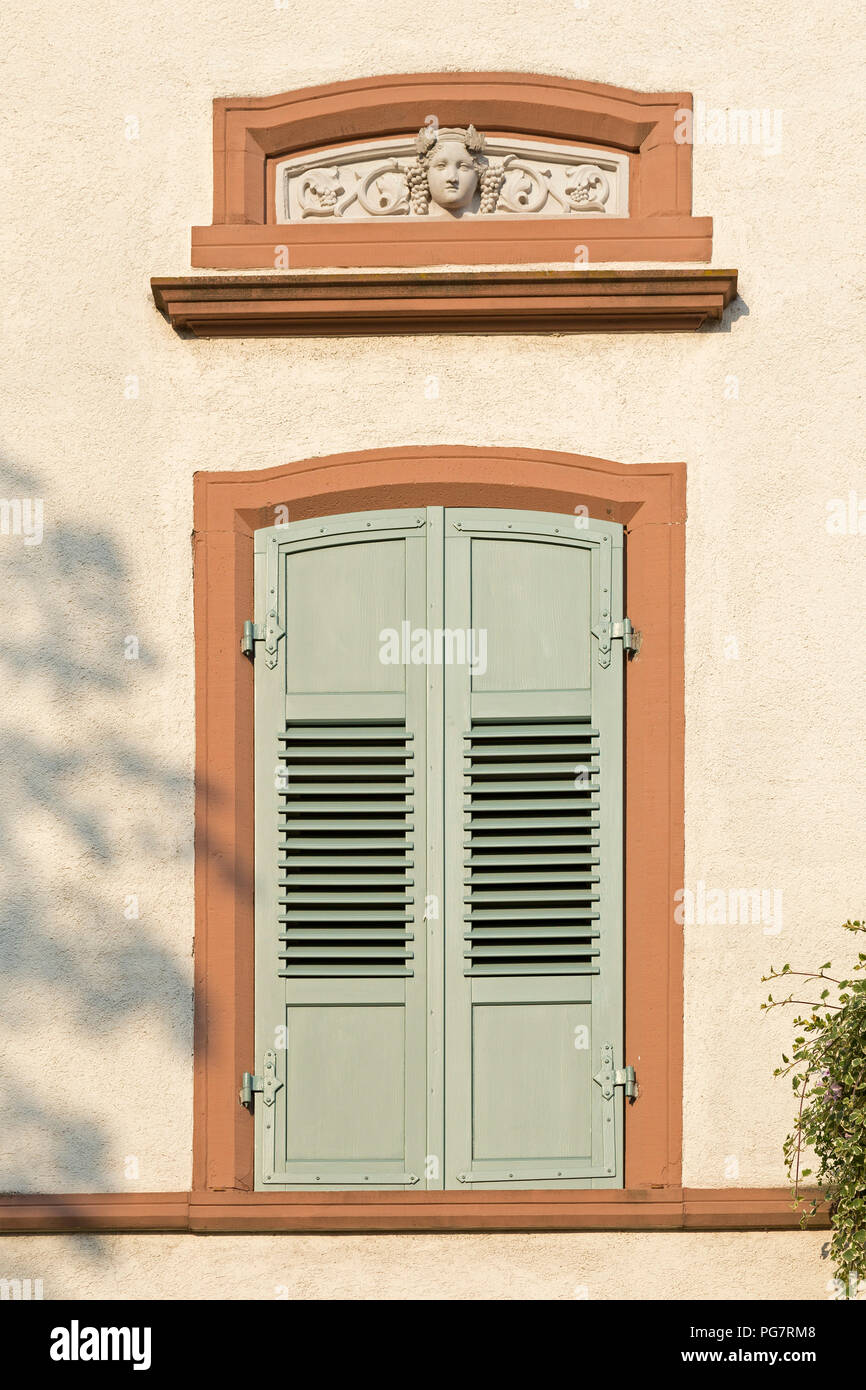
<point>827,1066</point>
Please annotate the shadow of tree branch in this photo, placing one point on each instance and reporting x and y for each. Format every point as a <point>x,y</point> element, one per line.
<point>89,806</point>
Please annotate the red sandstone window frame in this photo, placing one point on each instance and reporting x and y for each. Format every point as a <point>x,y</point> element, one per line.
<point>251,134</point>
<point>649,500</point>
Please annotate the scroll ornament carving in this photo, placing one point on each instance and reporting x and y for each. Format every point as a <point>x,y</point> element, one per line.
<point>452,170</point>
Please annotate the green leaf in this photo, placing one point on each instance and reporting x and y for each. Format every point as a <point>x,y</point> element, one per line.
<point>830,1114</point>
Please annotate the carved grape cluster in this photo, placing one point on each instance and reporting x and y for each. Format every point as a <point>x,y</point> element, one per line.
<point>419,193</point>
<point>490,182</point>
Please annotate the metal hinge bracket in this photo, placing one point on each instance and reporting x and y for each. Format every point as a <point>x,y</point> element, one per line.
<point>268,1084</point>
<point>630,638</point>
<point>608,1076</point>
<point>626,1078</point>
<point>268,632</point>
<point>249,1084</point>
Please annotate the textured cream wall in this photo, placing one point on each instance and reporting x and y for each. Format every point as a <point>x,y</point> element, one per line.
<point>97,750</point>
<point>615,1265</point>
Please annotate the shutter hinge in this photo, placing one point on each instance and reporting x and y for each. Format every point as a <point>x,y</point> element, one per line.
<point>630,639</point>
<point>626,1078</point>
<point>268,632</point>
<point>609,1076</point>
<point>249,1084</point>
<point>268,1084</point>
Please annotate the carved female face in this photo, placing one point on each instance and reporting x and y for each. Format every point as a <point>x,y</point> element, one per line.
<point>451,175</point>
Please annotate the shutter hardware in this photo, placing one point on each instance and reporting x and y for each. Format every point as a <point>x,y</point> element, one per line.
<point>627,1079</point>
<point>249,1083</point>
<point>609,1077</point>
<point>630,638</point>
<point>268,632</point>
<point>268,1084</point>
<point>606,630</point>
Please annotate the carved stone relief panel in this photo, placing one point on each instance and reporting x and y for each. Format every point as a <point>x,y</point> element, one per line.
<point>451,173</point>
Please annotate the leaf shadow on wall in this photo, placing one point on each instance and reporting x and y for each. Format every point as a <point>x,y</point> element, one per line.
<point>92,813</point>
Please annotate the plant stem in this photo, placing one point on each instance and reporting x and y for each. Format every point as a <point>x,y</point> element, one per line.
<point>800,1137</point>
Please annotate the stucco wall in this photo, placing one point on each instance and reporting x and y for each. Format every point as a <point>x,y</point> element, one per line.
<point>107,415</point>
<point>726,1265</point>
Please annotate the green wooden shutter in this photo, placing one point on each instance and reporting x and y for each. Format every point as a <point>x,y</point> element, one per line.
<point>439,852</point>
<point>533,872</point>
<point>340,855</point>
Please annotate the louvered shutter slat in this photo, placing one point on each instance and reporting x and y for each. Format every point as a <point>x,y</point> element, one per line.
<point>350,862</point>
<point>557,857</point>
<point>542,894</point>
<point>528,914</point>
<point>349,971</point>
<point>331,843</point>
<point>339,879</point>
<point>351,935</point>
<point>325,734</point>
<point>525,931</point>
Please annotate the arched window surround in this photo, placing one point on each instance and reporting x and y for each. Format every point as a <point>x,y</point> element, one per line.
<point>649,500</point>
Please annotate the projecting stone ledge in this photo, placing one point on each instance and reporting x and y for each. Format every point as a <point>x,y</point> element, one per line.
<point>464,301</point>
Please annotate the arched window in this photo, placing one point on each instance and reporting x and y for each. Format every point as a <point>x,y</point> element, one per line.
<point>553,653</point>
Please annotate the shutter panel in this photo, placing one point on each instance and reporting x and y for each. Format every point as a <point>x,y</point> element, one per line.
<point>340,856</point>
<point>473,1038</point>
<point>533,855</point>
